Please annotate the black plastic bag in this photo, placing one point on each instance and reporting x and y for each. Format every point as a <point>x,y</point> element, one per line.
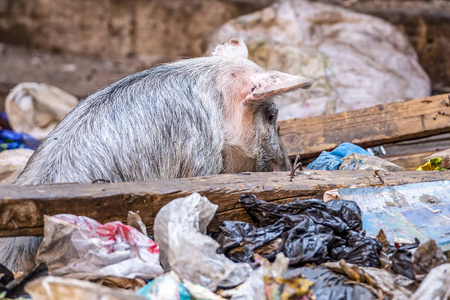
<point>310,232</point>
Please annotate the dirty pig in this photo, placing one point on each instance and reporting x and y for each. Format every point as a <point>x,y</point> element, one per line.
<point>194,117</point>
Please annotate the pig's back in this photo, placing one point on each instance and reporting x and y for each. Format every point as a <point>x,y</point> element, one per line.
<point>161,123</point>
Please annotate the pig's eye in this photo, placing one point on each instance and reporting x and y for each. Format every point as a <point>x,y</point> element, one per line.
<point>272,116</point>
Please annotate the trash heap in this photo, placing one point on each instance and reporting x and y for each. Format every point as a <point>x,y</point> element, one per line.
<point>304,249</point>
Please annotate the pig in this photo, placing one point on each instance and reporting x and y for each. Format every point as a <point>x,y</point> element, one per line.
<point>194,117</point>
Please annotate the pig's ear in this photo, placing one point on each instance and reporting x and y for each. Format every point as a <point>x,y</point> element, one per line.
<point>233,48</point>
<point>271,83</point>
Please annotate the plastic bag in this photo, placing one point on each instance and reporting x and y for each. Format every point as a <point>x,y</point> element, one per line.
<point>80,247</point>
<point>12,140</point>
<point>333,160</point>
<point>36,108</point>
<point>309,231</point>
<point>358,60</point>
<point>436,284</point>
<point>368,162</point>
<point>180,231</point>
<point>12,163</point>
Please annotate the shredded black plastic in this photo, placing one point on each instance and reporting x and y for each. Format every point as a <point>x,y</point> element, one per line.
<point>310,231</point>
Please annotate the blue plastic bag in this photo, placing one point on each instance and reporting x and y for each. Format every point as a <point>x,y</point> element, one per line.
<point>13,140</point>
<point>332,160</point>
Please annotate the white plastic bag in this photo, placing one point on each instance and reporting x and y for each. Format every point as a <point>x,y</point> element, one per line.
<point>180,231</point>
<point>36,108</point>
<point>80,247</point>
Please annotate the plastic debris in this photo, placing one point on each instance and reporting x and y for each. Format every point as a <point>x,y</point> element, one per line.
<point>180,231</point>
<point>36,108</point>
<point>310,232</point>
<point>427,256</point>
<point>436,285</point>
<point>12,163</point>
<point>333,160</point>
<point>169,286</point>
<point>368,162</point>
<point>80,247</point>
<point>57,288</point>
<point>432,165</point>
<point>358,60</point>
<point>444,155</point>
<point>12,140</point>
<point>253,287</point>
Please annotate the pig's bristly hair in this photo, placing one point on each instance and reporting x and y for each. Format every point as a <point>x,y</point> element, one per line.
<point>182,119</point>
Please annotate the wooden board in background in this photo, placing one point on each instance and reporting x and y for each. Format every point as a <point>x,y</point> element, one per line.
<point>367,127</point>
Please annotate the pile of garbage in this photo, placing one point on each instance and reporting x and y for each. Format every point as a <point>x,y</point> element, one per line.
<point>296,250</point>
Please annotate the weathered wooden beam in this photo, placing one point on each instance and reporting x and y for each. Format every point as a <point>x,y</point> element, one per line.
<point>377,125</point>
<point>22,207</point>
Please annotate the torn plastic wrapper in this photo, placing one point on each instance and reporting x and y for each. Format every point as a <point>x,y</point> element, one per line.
<point>57,288</point>
<point>306,231</point>
<point>253,287</point>
<point>80,247</point>
<point>180,231</point>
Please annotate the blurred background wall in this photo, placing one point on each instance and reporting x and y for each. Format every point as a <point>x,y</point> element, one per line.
<point>83,45</point>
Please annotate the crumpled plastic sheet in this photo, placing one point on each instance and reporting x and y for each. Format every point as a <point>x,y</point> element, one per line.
<point>332,160</point>
<point>36,108</point>
<point>253,287</point>
<point>57,288</point>
<point>80,247</point>
<point>435,286</point>
<point>180,231</point>
<point>402,263</point>
<point>311,232</point>
<point>368,162</point>
<point>169,286</point>
<point>357,59</point>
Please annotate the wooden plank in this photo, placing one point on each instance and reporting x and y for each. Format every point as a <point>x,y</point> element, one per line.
<point>22,207</point>
<point>377,125</point>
